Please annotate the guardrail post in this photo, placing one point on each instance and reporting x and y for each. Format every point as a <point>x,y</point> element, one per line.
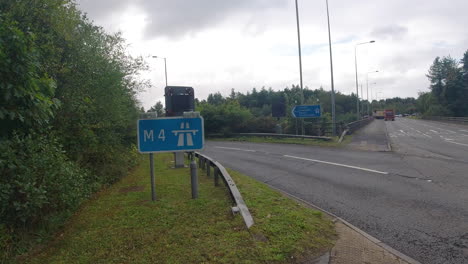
<point>194,178</point>
<point>216,176</point>
<point>208,168</point>
<point>199,161</point>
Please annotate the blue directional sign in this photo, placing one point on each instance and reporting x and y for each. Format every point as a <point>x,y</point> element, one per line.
<point>171,134</point>
<point>305,111</point>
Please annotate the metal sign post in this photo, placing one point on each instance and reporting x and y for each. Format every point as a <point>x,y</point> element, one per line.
<point>193,176</point>
<point>172,134</point>
<point>153,182</point>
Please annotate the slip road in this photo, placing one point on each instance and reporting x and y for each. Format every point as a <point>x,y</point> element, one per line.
<point>414,199</point>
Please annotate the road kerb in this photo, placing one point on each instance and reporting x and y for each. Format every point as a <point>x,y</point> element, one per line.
<point>356,229</point>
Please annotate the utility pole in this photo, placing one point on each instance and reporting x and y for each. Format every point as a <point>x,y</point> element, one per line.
<point>300,62</point>
<point>331,76</point>
<point>357,82</point>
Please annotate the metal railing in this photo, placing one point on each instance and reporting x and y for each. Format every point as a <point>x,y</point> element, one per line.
<point>457,120</point>
<point>206,163</point>
<point>282,136</point>
<point>353,126</point>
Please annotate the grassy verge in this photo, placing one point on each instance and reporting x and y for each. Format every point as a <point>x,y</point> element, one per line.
<point>122,225</point>
<point>300,141</point>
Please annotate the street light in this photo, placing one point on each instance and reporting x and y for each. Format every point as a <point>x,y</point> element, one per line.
<point>300,62</point>
<point>367,80</point>
<point>355,66</point>
<point>165,65</point>
<point>372,97</point>
<point>331,76</point>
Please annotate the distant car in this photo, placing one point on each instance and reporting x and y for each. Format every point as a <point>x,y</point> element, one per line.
<point>399,115</point>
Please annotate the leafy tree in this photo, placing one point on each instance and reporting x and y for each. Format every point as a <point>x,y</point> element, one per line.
<point>26,92</point>
<point>158,108</point>
<point>448,87</point>
<point>67,113</point>
<point>216,99</point>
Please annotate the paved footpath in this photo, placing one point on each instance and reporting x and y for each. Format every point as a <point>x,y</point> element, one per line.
<point>372,137</point>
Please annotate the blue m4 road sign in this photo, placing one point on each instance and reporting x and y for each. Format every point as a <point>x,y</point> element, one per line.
<point>172,134</point>
<point>305,111</point>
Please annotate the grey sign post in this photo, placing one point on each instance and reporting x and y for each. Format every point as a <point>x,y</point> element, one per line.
<point>172,134</point>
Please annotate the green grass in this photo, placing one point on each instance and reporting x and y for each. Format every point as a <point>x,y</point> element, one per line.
<point>122,225</point>
<point>314,142</point>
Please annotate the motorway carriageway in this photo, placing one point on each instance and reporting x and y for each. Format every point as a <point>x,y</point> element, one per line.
<point>415,198</point>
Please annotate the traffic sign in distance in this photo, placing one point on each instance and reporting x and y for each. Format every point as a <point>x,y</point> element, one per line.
<point>305,111</point>
<point>170,134</point>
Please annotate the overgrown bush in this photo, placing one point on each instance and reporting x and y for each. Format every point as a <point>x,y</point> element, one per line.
<point>67,115</point>
<point>38,181</point>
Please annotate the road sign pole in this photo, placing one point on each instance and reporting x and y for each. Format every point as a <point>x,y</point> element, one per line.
<point>153,182</point>
<point>194,177</point>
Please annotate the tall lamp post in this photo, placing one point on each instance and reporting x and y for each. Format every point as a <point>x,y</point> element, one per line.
<point>356,68</point>
<point>372,96</point>
<point>165,66</point>
<point>300,62</point>
<point>331,76</point>
<point>367,80</point>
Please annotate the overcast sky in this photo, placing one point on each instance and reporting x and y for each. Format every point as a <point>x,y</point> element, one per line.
<point>216,45</point>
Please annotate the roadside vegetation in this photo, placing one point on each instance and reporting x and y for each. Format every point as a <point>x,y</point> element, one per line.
<point>313,142</point>
<point>67,116</point>
<point>122,225</point>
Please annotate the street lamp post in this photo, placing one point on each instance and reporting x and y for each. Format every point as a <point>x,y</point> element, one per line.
<point>165,66</point>
<point>372,97</point>
<point>368,102</point>
<point>331,76</point>
<point>356,68</point>
<point>300,62</point>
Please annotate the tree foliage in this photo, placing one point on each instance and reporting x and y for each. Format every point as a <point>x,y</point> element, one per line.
<point>67,112</point>
<point>158,108</point>
<point>448,87</point>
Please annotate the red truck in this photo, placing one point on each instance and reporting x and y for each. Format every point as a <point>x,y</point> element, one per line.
<point>389,114</point>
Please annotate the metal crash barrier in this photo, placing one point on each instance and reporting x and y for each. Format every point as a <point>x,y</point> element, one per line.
<point>206,163</point>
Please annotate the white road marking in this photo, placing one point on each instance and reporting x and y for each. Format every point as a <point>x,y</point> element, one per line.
<point>466,145</point>
<point>453,132</point>
<point>337,164</point>
<point>421,133</point>
<point>448,139</point>
<point>246,150</point>
<point>433,131</point>
<point>403,132</point>
<point>463,130</point>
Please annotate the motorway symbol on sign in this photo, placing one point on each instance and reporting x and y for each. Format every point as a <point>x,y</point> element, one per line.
<point>171,134</point>
<point>305,111</point>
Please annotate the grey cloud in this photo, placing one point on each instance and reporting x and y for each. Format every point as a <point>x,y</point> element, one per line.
<point>179,17</point>
<point>390,32</point>
<point>176,18</point>
<point>100,9</point>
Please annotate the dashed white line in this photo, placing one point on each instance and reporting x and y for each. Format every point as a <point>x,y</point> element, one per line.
<point>466,145</point>
<point>337,164</point>
<point>433,131</point>
<point>246,150</point>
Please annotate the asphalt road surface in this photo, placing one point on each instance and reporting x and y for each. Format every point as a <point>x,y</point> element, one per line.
<point>415,198</point>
